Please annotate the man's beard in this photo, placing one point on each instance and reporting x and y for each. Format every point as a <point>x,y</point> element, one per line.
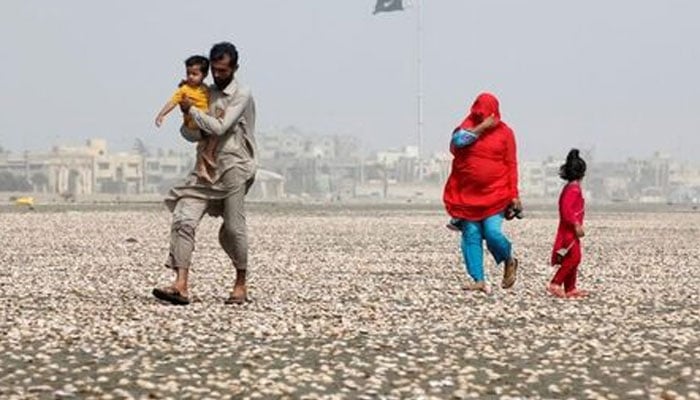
<point>223,83</point>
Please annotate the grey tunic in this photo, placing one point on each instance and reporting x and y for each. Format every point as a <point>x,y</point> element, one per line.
<point>236,152</point>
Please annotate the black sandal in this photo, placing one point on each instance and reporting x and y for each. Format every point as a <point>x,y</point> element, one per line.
<point>171,295</point>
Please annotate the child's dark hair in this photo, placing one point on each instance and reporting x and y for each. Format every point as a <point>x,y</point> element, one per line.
<point>199,61</point>
<point>574,168</point>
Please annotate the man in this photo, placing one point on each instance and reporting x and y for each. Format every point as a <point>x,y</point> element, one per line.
<point>231,118</point>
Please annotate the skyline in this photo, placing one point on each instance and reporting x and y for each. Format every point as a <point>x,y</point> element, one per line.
<point>619,78</point>
<point>138,147</point>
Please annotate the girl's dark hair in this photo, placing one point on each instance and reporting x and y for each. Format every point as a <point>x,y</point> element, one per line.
<point>200,61</point>
<point>574,168</point>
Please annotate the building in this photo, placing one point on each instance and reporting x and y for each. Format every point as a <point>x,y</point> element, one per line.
<point>164,170</point>
<point>81,170</point>
<point>268,186</point>
<point>315,165</point>
<point>63,170</point>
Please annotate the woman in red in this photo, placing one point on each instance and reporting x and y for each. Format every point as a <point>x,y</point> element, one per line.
<point>567,245</point>
<point>483,183</point>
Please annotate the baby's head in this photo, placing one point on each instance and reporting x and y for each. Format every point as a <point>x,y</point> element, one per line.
<point>574,168</point>
<point>197,69</point>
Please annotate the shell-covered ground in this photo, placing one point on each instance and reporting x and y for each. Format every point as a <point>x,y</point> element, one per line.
<point>358,302</point>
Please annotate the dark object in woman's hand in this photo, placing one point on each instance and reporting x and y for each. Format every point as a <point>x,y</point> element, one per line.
<point>513,212</point>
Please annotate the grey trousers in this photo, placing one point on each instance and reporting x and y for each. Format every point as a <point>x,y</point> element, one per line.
<point>233,235</point>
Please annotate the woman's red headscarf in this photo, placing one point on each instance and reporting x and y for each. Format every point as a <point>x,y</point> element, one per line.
<point>485,105</point>
<point>484,176</point>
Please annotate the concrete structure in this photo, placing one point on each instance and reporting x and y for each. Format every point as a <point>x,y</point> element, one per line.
<point>329,167</point>
<point>162,171</point>
<point>63,170</point>
<point>392,157</point>
<point>532,179</point>
<point>268,186</point>
<point>81,170</point>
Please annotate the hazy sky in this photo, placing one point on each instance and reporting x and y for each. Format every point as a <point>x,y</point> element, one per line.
<point>620,75</point>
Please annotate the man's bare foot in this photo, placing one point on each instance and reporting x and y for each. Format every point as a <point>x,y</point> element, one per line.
<point>239,295</point>
<point>556,290</point>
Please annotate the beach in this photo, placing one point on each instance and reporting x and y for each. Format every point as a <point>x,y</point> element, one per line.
<point>347,302</point>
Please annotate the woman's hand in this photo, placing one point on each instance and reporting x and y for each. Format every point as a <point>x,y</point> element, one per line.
<point>514,209</point>
<point>490,121</point>
<point>579,230</point>
<point>517,205</point>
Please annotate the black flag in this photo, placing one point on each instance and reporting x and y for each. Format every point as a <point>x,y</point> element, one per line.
<point>388,5</point>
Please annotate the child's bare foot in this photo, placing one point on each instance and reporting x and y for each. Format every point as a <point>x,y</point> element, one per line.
<point>556,290</point>
<point>577,294</point>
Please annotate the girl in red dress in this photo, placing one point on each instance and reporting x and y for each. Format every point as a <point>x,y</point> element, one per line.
<point>566,252</point>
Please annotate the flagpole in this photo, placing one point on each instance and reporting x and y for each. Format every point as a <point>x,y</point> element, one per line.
<point>419,64</point>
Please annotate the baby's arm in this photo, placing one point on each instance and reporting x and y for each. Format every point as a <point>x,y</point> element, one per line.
<point>463,137</point>
<point>172,103</point>
<point>163,112</point>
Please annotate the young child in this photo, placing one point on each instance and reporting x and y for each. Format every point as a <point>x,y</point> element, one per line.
<point>193,87</point>
<point>197,68</point>
<point>566,252</point>
<point>464,136</point>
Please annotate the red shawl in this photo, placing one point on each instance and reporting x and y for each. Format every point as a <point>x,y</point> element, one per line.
<point>484,176</point>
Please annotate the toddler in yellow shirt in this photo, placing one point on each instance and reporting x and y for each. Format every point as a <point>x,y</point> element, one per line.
<point>194,88</point>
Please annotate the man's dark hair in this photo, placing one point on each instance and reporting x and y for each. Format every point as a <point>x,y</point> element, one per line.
<point>199,61</point>
<point>574,168</point>
<point>219,50</point>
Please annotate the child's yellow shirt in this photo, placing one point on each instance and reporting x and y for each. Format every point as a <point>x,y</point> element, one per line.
<point>199,97</point>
